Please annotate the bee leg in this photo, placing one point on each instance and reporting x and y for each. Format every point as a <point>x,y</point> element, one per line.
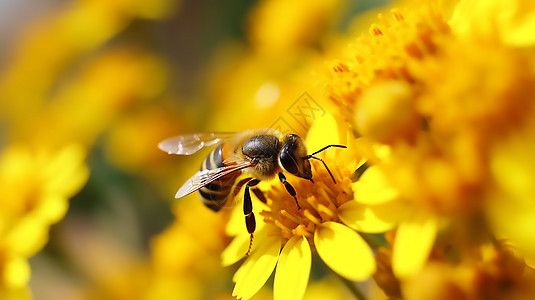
<point>289,188</point>
<point>250,221</point>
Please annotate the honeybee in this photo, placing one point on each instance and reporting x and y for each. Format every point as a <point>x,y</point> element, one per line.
<point>261,153</point>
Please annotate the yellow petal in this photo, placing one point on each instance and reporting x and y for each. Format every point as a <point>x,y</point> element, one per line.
<point>371,218</point>
<point>329,130</point>
<point>235,250</point>
<point>373,188</point>
<point>238,246</point>
<point>413,243</point>
<point>66,172</point>
<point>344,251</point>
<point>28,236</point>
<point>16,273</point>
<point>236,221</point>
<point>328,288</point>
<point>324,131</point>
<point>394,118</point>
<point>52,208</point>
<point>293,270</point>
<point>256,270</point>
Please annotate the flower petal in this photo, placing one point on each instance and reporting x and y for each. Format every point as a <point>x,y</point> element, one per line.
<point>16,273</point>
<point>66,172</point>
<point>344,251</point>
<point>371,218</point>
<point>52,208</point>
<point>373,188</point>
<point>235,250</point>
<point>293,269</point>
<point>27,237</point>
<point>413,243</point>
<point>256,270</point>
<point>240,243</point>
<point>324,131</point>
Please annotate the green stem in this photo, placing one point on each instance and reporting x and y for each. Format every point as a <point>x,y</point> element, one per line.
<point>352,287</point>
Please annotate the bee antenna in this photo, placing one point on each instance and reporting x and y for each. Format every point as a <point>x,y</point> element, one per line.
<point>314,157</point>
<point>328,146</point>
<point>317,158</point>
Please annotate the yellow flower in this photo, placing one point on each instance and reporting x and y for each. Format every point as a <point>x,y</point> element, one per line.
<point>378,87</point>
<point>286,235</point>
<point>387,54</point>
<point>419,86</point>
<point>35,185</point>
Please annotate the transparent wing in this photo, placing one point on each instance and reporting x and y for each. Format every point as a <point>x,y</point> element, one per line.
<point>202,178</point>
<point>190,143</point>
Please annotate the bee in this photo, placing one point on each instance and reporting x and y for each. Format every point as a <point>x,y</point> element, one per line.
<point>261,153</point>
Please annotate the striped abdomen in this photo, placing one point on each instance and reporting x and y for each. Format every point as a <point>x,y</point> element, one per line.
<point>215,194</point>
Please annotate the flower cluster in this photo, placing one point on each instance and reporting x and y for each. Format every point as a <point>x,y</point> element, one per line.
<point>322,222</point>
<point>448,99</point>
<point>440,165</point>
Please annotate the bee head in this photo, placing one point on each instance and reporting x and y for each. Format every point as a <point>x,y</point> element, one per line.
<point>293,157</point>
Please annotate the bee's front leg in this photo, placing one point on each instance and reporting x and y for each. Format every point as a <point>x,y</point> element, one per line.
<point>289,188</point>
<point>250,221</point>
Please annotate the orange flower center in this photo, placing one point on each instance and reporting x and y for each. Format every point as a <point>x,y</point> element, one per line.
<point>319,202</point>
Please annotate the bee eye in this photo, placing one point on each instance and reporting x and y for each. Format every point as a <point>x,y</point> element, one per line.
<point>288,161</point>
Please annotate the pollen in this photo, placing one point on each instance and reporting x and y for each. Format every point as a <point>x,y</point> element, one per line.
<point>375,30</point>
<point>387,52</point>
<point>319,201</point>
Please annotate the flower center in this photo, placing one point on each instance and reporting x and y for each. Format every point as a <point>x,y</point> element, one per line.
<point>388,52</point>
<point>319,202</point>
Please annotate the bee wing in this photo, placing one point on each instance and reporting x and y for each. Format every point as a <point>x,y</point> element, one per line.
<point>204,177</point>
<point>190,143</point>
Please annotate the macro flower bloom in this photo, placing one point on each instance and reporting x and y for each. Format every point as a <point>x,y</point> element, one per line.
<point>286,235</point>
<point>376,92</point>
<point>451,124</point>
